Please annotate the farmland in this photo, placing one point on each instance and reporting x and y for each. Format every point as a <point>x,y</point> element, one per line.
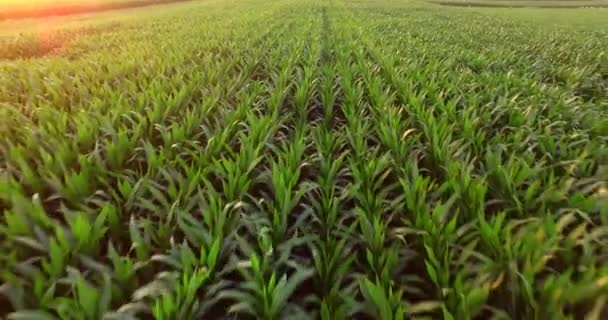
<point>259,159</point>
<point>557,4</point>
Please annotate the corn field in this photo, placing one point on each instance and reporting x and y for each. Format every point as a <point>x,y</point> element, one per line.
<point>310,159</point>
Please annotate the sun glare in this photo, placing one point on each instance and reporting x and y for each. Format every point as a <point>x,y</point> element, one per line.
<point>43,4</point>
<point>45,8</point>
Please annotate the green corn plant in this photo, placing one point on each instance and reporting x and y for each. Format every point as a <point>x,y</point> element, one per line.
<point>154,158</point>
<point>389,133</point>
<point>264,296</point>
<point>185,259</point>
<point>124,272</point>
<point>371,184</point>
<point>507,179</point>
<point>74,185</point>
<point>23,167</point>
<point>117,151</point>
<point>328,93</point>
<point>140,242</point>
<point>286,197</point>
<point>159,201</point>
<point>472,190</point>
<point>219,219</point>
<point>467,297</point>
<point>332,264</point>
<point>387,303</point>
<point>87,302</point>
<point>181,303</point>
<point>23,211</point>
<point>40,281</point>
<point>287,191</point>
<point>236,181</point>
<point>439,231</point>
<point>177,293</point>
<point>328,198</point>
<point>380,258</point>
<point>304,90</point>
<point>88,233</point>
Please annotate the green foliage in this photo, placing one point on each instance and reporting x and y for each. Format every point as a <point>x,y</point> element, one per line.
<point>304,160</point>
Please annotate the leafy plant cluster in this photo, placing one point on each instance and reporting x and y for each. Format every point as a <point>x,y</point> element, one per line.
<point>306,160</point>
